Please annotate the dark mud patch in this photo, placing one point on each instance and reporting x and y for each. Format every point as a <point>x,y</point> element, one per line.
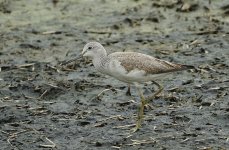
<point>46,106</point>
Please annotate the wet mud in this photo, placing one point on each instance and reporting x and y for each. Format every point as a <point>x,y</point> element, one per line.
<point>47,106</point>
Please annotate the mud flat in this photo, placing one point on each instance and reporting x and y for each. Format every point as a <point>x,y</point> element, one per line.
<point>45,106</point>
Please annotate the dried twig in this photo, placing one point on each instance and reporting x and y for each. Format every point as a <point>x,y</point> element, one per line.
<point>14,135</point>
<point>52,145</point>
<point>116,147</point>
<point>25,65</point>
<point>98,95</point>
<point>139,142</point>
<point>40,97</point>
<point>125,126</point>
<point>112,117</point>
<point>51,32</point>
<point>54,68</point>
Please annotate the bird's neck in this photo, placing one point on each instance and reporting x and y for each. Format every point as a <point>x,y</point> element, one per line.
<point>98,60</point>
<point>99,63</point>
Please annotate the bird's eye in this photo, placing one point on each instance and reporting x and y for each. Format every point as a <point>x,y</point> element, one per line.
<point>90,47</point>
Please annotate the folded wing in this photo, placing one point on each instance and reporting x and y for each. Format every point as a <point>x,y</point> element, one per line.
<point>151,65</point>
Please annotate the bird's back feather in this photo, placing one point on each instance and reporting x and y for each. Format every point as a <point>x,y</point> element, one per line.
<point>151,65</point>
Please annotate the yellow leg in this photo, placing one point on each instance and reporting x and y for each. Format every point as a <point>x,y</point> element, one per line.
<point>140,114</point>
<point>144,102</point>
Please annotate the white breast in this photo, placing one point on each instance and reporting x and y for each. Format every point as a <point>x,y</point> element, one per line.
<point>119,72</point>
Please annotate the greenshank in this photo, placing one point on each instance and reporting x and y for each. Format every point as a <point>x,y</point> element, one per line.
<point>132,68</point>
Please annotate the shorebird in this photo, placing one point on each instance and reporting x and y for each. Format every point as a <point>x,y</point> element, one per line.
<point>132,68</point>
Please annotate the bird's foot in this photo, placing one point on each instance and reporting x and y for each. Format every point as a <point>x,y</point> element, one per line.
<point>136,128</point>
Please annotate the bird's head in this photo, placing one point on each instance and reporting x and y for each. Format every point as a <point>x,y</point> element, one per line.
<point>93,49</point>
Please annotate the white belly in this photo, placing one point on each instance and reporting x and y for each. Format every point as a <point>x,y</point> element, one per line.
<point>118,71</point>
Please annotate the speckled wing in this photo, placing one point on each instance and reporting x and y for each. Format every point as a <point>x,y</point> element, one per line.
<point>151,65</point>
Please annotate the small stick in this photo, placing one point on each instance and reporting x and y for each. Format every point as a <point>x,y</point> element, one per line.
<point>97,96</point>
<point>139,142</point>
<point>54,68</point>
<point>52,145</point>
<point>25,65</point>
<point>111,117</point>
<point>51,32</point>
<point>116,147</point>
<point>125,126</point>
<point>42,94</point>
<point>103,92</point>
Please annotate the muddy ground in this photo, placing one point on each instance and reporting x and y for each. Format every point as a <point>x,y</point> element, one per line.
<point>46,106</point>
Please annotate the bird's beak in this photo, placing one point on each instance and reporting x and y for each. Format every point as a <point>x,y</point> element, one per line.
<point>71,60</point>
<point>83,52</point>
